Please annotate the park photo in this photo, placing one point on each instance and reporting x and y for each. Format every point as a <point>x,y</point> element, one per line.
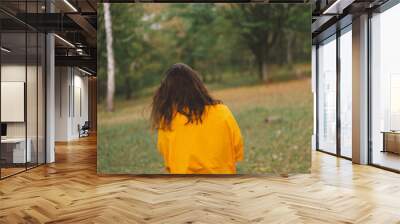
<point>204,88</point>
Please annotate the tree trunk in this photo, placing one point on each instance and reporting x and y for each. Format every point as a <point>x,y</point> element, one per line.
<point>110,58</point>
<point>127,77</point>
<point>289,52</point>
<point>265,75</point>
<point>260,72</point>
<point>263,68</point>
<point>128,90</point>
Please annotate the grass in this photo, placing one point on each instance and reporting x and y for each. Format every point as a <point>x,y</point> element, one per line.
<point>279,145</point>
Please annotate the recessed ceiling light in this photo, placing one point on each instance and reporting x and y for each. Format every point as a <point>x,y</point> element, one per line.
<point>64,40</point>
<point>84,71</point>
<point>337,7</point>
<point>70,5</point>
<point>5,50</point>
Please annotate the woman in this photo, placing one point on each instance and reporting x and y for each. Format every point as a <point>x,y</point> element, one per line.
<point>196,133</point>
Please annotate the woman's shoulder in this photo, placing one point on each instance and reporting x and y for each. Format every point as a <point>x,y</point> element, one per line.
<point>220,108</point>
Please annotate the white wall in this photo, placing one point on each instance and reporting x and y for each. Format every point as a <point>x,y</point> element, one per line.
<point>80,108</point>
<point>62,81</point>
<point>33,126</point>
<point>71,102</point>
<point>12,73</point>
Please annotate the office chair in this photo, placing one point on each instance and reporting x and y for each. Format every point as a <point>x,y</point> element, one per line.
<point>84,130</point>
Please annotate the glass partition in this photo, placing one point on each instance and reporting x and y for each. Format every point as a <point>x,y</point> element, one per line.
<point>22,77</point>
<point>14,153</point>
<point>327,95</point>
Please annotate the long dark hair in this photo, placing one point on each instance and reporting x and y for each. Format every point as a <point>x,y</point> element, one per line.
<point>181,91</point>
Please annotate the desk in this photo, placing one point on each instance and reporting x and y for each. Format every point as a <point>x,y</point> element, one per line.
<point>391,141</point>
<point>18,151</point>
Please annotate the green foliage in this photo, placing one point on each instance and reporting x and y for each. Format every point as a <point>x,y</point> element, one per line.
<point>270,31</point>
<point>215,39</point>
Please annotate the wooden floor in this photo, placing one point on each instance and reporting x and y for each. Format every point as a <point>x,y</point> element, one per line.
<point>387,159</point>
<point>5,172</point>
<point>69,191</point>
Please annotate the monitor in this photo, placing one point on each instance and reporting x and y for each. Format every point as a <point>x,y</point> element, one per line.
<point>3,129</point>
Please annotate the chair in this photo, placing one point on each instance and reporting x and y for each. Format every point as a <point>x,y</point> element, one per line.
<point>84,130</point>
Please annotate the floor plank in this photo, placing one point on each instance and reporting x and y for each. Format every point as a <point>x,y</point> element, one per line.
<point>70,191</point>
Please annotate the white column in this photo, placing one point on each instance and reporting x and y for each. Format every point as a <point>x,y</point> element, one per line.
<point>50,99</point>
<point>50,92</point>
<point>360,90</point>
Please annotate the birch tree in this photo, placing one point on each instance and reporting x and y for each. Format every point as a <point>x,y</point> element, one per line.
<point>110,58</point>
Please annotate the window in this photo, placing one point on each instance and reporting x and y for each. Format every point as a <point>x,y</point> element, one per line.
<point>346,92</point>
<point>327,95</point>
<point>385,89</point>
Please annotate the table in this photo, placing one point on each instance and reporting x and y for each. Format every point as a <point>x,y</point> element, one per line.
<point>391,141</point>
<point>18,150</point>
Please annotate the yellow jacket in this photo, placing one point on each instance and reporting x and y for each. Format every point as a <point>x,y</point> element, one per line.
<point>211,147</point>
